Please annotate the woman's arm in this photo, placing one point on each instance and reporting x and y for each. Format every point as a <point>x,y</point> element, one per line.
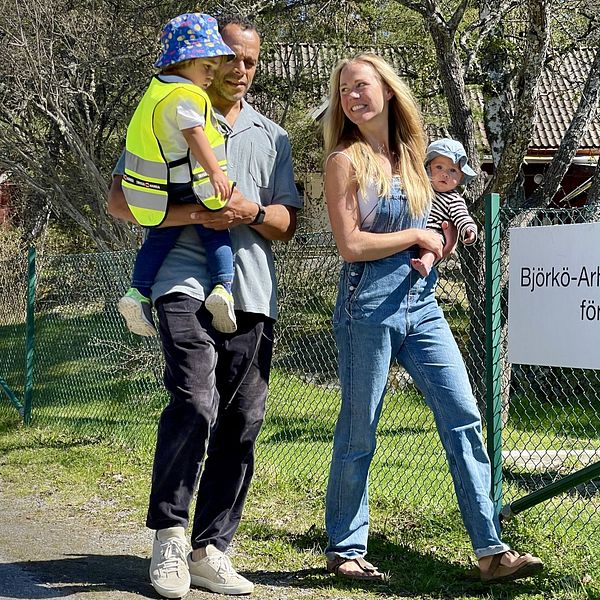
<point>344,215</point>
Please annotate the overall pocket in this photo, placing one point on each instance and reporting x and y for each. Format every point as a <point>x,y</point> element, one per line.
<point>357,276</point>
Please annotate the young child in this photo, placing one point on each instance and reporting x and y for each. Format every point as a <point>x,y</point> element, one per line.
<point>176,153</point>
<point>447,166</point>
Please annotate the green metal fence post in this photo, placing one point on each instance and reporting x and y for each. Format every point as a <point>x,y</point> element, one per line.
<point>552,489</point>
<point>493,367</point>
<point>31,283</point>
<point>12,397</point>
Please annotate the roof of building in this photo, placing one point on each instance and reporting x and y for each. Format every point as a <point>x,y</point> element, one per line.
<point>560,88</point>
<point>312,63</point>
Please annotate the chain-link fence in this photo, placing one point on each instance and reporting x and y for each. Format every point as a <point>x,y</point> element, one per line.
<point>13,319</point>
<point>96,379</point>
<point>552,428</point>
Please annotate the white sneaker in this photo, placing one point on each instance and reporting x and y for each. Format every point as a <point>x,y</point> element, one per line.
<point>220,305</point>
<point>216,573</point>
<point>137,312</point>
<point>169,573</point>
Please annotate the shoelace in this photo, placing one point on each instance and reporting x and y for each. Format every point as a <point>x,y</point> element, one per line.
<point>173,554</point>
<point>222,564</point>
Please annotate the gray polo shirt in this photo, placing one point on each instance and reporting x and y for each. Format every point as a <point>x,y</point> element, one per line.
<point>259,161</point>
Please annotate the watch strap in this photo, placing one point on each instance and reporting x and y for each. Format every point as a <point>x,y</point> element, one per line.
<point>260,216</point>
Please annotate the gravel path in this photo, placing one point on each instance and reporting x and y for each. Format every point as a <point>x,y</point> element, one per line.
<point>48,555</point>
<point>45,555</point>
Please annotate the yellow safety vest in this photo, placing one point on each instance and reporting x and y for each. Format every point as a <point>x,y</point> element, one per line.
<point>146,179</point>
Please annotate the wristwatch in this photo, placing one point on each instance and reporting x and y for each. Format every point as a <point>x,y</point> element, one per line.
<point>260,216</point>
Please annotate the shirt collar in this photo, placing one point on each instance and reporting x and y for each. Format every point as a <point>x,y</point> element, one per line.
<point>248,117</point>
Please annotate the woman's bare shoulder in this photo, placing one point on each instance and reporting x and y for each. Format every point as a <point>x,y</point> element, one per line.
<point>340,157</point>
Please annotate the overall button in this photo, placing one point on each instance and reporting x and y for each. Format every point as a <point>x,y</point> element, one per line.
<point>352,288</point>
<point>353,274</point>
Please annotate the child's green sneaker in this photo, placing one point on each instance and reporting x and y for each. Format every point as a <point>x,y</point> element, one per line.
<point>137,312</point>
<point>220,305</point>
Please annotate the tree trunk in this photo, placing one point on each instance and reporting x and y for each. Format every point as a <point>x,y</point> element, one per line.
<point>520,130</point>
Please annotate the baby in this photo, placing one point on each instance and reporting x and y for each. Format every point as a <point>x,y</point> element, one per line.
<point>447,166</point>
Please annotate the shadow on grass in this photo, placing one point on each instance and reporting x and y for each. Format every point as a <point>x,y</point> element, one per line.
<point>573,412</point>
<point>308,433</point>
<point>308,354</point>
<point>298,433</point>
<point>412,573</point>
<point>36,443</point>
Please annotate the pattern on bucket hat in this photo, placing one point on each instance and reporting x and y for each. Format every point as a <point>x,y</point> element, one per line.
<point>453,150</point>
<point>191,35</point>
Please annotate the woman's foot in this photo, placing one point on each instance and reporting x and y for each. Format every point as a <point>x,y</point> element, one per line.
<point>355,568</point>
<point>508,566</point>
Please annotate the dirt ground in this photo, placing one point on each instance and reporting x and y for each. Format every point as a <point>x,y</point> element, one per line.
<point>49,555</point>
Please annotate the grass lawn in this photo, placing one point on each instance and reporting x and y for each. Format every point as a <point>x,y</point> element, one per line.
<point>417,534</point>
<point>97,399</point>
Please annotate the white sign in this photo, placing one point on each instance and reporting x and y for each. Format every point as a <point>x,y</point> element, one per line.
<point>554,296</point>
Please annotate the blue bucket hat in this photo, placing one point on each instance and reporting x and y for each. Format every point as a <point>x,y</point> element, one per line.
<point>191,35</point>
<point>455,152</point>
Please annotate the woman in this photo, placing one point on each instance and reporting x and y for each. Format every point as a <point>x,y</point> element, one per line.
<point>378,198</point>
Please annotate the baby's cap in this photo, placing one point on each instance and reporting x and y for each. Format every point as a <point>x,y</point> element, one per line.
<point>453,150</point>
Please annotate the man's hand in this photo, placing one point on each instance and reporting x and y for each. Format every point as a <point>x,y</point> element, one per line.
<point>237,212</point>
<point>451,235</point>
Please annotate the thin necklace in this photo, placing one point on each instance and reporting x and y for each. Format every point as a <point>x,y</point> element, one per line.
<point>383,149</point>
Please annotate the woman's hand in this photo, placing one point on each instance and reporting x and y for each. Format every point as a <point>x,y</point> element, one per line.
<point>430,240</point>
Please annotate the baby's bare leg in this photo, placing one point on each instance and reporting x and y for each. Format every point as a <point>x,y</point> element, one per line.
<point>423,264</point>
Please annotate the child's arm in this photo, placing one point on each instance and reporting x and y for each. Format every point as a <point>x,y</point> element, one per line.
<point>200,147</point>
<point>470,235</point>
<point>459,215</point>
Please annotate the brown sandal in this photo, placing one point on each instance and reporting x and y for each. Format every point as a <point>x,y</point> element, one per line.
<point>525,565</point>
<point>366,572</point>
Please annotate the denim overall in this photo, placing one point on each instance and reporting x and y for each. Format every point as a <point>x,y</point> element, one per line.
<point>386,310</point>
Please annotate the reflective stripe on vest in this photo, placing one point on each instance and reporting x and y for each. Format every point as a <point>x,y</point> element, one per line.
<point>146,194</point>
<point>146,180</point>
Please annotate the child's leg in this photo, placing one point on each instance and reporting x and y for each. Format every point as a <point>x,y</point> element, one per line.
<point>135,305</point>
<point>219,255</point>
<point>219,259</point>
<point>150,257</point>
<point>423,264</point>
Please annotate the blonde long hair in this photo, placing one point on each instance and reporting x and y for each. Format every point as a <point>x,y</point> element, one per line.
<point>406,134</point>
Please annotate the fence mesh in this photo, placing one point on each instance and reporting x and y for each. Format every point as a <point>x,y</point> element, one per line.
<point>13,311</point>
<point>552,426</point>
<point>94,378</point>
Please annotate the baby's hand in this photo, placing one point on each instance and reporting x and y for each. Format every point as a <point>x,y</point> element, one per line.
<point>470,235</point>
<point>220,183</point>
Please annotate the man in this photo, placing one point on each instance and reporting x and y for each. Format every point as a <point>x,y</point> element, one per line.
<point>217,382</point>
